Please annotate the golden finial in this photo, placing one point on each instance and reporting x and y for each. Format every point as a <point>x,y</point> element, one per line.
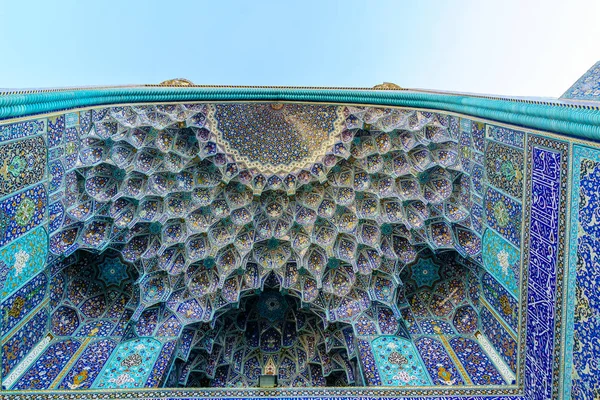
<point>387,86</point>
<point>177,82</point>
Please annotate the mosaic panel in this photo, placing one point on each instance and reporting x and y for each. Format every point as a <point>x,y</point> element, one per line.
<point>506,136</point>
<point>71,120</point>
<point>478,135</point>
<point>185,343</point>
<point>465,320</point>
<point>19,304</point>
<point>367,361</point>
<point>477,179</point>
<point>130,364</point>
<point>438,363</point>
<point>466,147</point>
<point>23,164</point>
<point>22,341</point>
<point>277,137</point>
<point>48,366</point>
<point>398,362</point>
<point>56,129</point>
<point>22,129</point>
<point>504,168</point>
<point>65,321</point>
<point>71,147</point>
<point>583,324</point>
<point>96,328</point>
<point>480,369</point>
<point>500,300</point>
<point>503,342</point>
<point>477,215</point>
<point>587,87</point>
<point>162,364</point>
<point>56,171</point>
<point>21,212</point>
<point>503,214</point>
<point>545,219</point>
<point>89,365</point>
<point>502,260</point>
<point>25,258</point>
<point>56,214</point>
<point>430,326</point>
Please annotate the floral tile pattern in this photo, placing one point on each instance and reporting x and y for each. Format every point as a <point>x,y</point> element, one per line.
<point>504,215</point>
<point>23,164</point>
<point>21,343</point>
<point>88,366</point>
<point>504,167</point>
<point>23,129</point>
<point>48,366</point>
<point>130,365</point>
<point>398,362</point>
<point>502,261</point>
<point>25,258</point>
<point>17,306</point>
<point>22,212</point>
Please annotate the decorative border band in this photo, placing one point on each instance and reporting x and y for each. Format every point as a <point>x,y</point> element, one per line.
<point>575,122</point>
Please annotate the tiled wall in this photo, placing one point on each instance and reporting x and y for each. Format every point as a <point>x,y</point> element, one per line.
<point>519,206</point>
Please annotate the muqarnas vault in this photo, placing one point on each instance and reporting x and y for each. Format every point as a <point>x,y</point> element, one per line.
<point>182,241</point>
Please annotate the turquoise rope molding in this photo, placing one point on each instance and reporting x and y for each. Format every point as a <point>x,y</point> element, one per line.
<point>580,122</point>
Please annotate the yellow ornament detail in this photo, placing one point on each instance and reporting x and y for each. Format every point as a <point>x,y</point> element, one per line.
<point>177,82</point>
<point>387,86</point>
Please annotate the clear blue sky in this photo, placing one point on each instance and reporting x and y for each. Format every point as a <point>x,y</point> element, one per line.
<point>518,47</point>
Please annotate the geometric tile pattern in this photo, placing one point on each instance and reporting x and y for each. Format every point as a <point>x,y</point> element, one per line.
<point>443,311</point>
<point>504,168</point>
<point>183,196</point>
<point>22,129</point>
<point>311,130</point>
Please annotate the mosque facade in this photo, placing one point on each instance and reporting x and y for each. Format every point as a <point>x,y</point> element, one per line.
<point>184,241</point>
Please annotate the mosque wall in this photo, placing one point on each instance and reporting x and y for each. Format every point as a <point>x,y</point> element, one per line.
<point>583,312</point>
<point>521,182</point>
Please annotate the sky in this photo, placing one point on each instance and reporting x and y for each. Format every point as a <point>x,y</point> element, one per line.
<point>507,47</point>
